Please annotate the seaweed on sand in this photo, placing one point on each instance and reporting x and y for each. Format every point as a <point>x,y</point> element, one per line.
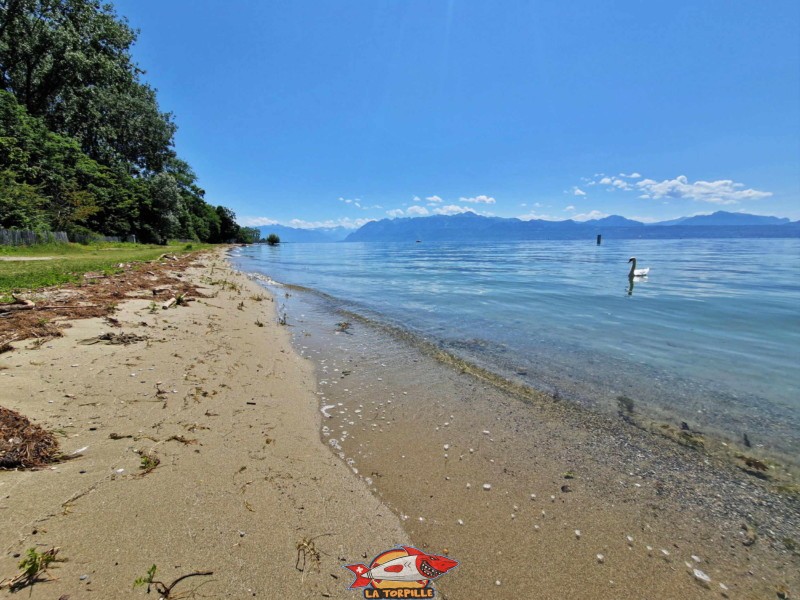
<point>24,444</point>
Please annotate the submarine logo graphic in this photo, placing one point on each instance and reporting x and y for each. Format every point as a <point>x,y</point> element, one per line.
<point>403,572</point>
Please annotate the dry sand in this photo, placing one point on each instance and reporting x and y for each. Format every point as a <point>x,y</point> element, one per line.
<point>252,482</point>
<point>253,477</point>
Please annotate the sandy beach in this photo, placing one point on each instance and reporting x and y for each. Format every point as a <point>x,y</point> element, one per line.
<point>345,451</point>
<point>243,476</point>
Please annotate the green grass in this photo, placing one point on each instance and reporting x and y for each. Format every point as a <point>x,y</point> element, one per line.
<point>71,261</point>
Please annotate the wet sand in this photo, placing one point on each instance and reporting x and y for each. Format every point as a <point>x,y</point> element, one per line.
<point>580,504</point>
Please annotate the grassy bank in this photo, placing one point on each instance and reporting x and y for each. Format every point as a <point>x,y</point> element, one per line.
<point>34,267</point>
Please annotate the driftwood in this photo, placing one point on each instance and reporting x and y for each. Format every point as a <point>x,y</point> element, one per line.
<point>169,303</point>
<point>65,306</point>
<point>19,304</point>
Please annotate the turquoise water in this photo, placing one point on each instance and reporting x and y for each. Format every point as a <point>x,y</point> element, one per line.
<point>711,336</point>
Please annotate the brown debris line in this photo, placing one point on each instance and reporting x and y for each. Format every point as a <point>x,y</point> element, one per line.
<point>24,444</point>
<point>95,298</point>
<point>114,339</point>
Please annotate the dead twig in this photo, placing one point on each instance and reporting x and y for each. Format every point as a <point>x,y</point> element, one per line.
<point>163,589</point>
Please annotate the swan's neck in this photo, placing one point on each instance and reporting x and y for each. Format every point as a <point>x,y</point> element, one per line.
<point>633,267</point>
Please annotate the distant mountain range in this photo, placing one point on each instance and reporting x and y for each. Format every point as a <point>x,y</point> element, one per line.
<point>296,235</point>
<point>471,227</point>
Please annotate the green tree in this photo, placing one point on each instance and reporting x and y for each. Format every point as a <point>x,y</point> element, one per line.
<point>69,62</point>
<point>273,239</point>
<point>21,205</point>
<point>248,235</point>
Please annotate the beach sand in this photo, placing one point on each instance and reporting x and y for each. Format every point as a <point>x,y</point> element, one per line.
<point>249,482</point>
<point>579,504</point>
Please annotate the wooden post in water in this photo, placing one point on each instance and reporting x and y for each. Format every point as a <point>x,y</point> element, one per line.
<point>599,239</point>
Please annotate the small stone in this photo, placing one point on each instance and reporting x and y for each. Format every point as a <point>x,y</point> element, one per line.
<point>601,559</point>
<point>497,582</point>
<point>578,533</point>
<point>460,521</point>
<point>487,486</point>
<point>701,577</point>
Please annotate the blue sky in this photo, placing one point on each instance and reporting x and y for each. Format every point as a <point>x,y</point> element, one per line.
<point>330,112</point>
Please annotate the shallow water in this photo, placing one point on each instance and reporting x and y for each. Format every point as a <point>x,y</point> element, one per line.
<point>710,337</point>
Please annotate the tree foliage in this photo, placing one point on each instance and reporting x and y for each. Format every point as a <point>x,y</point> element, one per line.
<point>84,145</point>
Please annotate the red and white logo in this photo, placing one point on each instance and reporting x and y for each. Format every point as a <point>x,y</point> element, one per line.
<point>402,572</point>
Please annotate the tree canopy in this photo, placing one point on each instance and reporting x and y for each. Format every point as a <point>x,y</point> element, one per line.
<point>84,146</point>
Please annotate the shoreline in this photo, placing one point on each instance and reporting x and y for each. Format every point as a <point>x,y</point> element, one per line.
<point>248,470</point>
<point>654,419</point>
<point>697,503</point>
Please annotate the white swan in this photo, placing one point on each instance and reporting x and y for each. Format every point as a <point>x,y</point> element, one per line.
<point>637,272</point>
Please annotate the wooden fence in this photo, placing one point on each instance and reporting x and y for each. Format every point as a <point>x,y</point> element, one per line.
<point>25,237</point>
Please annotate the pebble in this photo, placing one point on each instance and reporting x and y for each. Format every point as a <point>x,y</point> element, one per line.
<point>497,582</point>
<point>460,521</point>
<point>701,577</point>
<point>601,559</point>
<point>578,533</point>
<point>487,486</point>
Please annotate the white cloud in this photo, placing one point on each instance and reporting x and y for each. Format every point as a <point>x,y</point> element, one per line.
<point>345,222</point>
<point>644,219</point>
<point>570,207</point>
<point>395,212</point>
<point>722,191</point>
<point>451,209</point>
<point>416,199</point>
<point>434,199</point>
<point>595,214</point>
<point>478,200</point>
<point>534,215</point>
<point>357,203</point>
<point>256,221</point>
<point>576,191</point>
<point>419,211</point>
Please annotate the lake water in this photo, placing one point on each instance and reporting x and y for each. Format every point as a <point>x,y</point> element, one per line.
<point>710,337</point>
